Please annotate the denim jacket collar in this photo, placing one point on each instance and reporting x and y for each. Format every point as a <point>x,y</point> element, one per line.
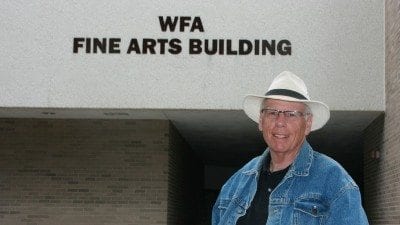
<point>300,166</point>
<point>302,163</point>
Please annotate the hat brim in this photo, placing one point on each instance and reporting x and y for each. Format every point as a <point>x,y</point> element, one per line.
<point>320,111</point>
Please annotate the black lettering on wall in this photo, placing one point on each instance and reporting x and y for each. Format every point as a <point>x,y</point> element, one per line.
<point>195,46</point>
<point>169,24</point>
<point>77,43</point>
<point>99,44</point>
<point>88,44</point>
<point>197,24</point>
<point>284,47</point>
<point>184,22</point>
<point>149,45</point>
<point>133,46</point>
<point>162,43</point>
<point>114,45</point>
<point>245,47</point>
<point>175,46</point>
<point>164,46</point>
<point>214,47</point>
<point>229,50</point>
<point>270,46</point>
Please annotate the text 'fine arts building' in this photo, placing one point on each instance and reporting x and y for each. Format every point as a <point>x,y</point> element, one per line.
<point>131,112</point>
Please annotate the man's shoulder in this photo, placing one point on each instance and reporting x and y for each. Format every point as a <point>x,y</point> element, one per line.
<point>250,168</point>
<point>241,176</point>
<point>333,170</point>
<point>252,165</point>
<point>326,160</point>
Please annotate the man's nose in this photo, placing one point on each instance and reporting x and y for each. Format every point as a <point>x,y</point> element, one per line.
<point>280,119</point>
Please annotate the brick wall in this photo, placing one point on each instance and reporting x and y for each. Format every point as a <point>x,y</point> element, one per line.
<point>382,175</point>
<point>84,171</point>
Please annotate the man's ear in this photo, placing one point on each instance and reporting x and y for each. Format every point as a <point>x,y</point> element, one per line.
<point>260,124</point>
<point>308,124</point>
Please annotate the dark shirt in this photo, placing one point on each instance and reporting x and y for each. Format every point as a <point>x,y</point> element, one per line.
<point>257,213</point>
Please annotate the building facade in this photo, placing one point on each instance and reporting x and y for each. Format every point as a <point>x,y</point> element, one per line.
<point>130,112</point>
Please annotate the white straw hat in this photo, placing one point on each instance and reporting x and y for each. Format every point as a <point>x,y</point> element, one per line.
<point>287,87</point>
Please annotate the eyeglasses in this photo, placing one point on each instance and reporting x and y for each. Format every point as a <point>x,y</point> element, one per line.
<point>273,114</point>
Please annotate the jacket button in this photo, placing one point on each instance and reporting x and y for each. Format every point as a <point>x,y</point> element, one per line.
<point>314,210</point>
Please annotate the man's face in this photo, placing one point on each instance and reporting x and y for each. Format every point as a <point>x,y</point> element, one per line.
<point>284,133</point>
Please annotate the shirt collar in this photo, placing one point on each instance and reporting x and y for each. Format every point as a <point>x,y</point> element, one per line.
<point>266,162</point>
<point>300,166</point>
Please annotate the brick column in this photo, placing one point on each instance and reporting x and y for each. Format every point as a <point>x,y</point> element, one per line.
<point>382,137</point>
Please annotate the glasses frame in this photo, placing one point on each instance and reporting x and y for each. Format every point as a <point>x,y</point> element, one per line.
<point>287,114</point>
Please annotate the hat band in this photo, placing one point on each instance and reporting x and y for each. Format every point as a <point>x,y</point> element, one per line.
<point>286,92</point>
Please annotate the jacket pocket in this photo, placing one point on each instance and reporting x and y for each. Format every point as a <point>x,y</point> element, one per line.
<point>230,210</point>
<point>309,211</point>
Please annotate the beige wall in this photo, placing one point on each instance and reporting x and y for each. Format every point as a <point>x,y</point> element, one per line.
<point>382,175</point>
<point>87,171</point>
<point>338,45</point>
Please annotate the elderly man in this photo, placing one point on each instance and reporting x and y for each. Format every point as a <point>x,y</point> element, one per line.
<point>289,183</point>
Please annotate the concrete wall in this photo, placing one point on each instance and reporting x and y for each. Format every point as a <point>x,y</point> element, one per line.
<point>337,45</point>
<point>382,137</point>
<point>72,172</point>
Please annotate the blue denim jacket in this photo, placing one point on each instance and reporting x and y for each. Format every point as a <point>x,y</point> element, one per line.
<point>315,190</point>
